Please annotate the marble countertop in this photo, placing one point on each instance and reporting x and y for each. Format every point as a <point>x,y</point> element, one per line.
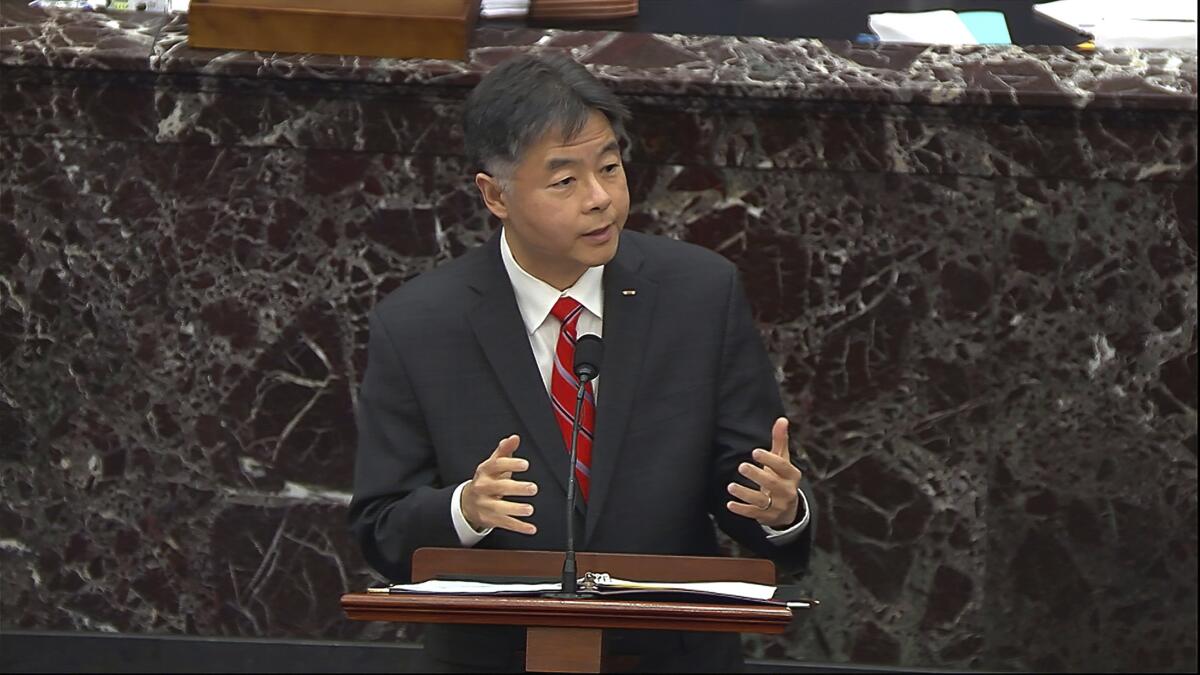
<point>646,64</point>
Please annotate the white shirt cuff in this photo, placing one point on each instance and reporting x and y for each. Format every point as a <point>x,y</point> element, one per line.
<point>467,535</point>
<point>781,537</point>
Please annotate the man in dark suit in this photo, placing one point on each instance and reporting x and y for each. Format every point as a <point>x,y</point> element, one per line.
<point>466,404</point>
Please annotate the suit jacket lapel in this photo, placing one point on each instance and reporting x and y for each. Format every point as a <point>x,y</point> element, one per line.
<point>500,331</point>
<point>627,323</point>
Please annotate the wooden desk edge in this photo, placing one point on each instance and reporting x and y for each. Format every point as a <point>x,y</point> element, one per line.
<point>598,613</point>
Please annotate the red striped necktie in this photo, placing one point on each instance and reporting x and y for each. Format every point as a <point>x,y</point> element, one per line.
<point>563,386</point>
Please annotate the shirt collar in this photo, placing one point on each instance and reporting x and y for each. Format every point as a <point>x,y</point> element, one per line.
<point>535,298</point>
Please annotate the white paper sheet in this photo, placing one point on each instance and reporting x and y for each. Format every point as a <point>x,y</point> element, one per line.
<point>939,27</point>
<point>1119,23</point>
<point>739,589</point>
<point>473,587</point>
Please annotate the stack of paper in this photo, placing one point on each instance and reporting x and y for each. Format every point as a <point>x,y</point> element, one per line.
<point>559,9</point>
<point>941,27</point>
<point>494,9</point>
<point>583,9</point>
<point>1118,23</point>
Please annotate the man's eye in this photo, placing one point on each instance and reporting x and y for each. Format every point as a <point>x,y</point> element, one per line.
<point>564,182</point>
<point>612,168</point>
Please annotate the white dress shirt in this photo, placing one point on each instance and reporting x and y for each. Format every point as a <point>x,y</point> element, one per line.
<point>535,299</point>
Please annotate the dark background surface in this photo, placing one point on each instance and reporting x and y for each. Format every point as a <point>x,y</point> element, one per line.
<point>975,270</point>
<point>58,652</point>
<point>840,19</point>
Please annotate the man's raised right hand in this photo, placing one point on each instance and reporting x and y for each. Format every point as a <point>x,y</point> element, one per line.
<point>483,502</point>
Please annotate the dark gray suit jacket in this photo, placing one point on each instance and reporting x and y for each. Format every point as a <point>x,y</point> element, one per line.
<point>687,391</point>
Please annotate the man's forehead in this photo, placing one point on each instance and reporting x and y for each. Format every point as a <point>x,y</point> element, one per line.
<point>581,141</point>
<point>596,130</point>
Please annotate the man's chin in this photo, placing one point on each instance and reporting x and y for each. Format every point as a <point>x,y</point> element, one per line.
<point>602,256</point>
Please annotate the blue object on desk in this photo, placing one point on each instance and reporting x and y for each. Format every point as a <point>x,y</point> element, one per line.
<point>866,38</point>
<point>989,28</point>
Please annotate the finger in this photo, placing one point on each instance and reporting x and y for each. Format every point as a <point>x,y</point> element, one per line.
<point>503,467</point>
<point>513,509</point>
<point>514,525</point>
<point>512,488</point>
<point>779,438</point>
<point>507,446</point>
<point>751,512</point>
<point>504,449</point>
<point>766,479</point>
<point>782,466</point>
<point>754,498</point>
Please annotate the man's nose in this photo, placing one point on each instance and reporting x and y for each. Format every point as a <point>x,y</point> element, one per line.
<point>598,198</point>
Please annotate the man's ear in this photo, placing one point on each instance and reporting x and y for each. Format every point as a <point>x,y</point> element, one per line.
<point>493,196</point>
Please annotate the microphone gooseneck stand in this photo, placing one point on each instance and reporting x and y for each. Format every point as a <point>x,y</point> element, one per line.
<point>588,353</point>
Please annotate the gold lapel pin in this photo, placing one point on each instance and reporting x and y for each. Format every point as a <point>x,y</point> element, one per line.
<point>629,291</point>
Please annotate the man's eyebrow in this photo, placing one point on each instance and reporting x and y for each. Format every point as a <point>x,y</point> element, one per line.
<point>556,163</point>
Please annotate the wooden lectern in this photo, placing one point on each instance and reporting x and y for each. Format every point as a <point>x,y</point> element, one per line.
<point>566,635</point>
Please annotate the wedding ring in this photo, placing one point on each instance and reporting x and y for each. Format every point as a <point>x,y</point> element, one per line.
<point>770,500</point>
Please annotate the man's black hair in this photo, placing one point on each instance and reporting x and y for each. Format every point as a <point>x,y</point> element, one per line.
<point>522,99</point>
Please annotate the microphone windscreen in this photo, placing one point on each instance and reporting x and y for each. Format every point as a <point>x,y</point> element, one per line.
<point>589,353</point>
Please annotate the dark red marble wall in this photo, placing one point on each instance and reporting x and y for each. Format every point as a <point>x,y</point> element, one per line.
<point>984,321</point>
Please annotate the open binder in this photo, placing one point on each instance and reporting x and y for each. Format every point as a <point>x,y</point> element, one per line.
<point>600,585</point>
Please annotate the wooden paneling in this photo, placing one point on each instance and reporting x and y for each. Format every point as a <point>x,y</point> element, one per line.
<point>436,29</point>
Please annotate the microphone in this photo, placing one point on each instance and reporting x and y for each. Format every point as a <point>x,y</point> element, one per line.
<point>589,352</point>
